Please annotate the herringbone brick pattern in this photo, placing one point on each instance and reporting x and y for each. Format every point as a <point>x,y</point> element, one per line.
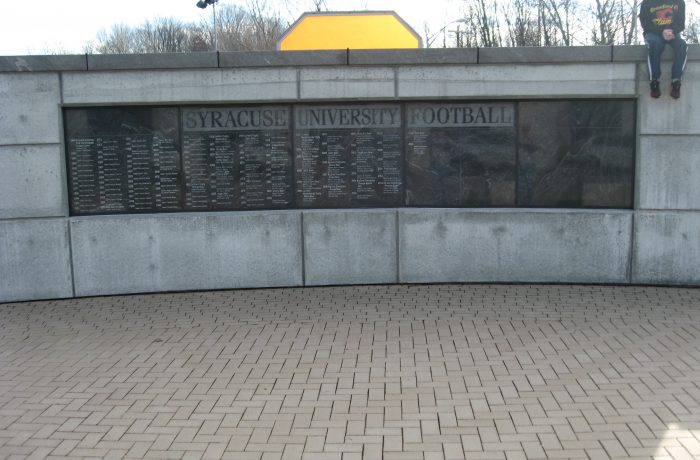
<point>350,373</point>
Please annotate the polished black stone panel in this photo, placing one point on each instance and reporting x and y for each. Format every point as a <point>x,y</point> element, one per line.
<point>572,153</point>
<point>576,153</point>
<point>237,158</point>
<point>348,155</point>
<point>460,154</point>
<point>123,159</point>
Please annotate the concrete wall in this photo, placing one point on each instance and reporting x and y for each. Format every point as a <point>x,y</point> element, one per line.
<point>35,258</point>
<point>45,253</point>
<point>124,254</point>
<point>514,245</point>
<point>667,230</point>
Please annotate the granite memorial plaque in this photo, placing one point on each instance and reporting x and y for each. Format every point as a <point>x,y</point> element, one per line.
<point>348,155</point>
<point>237,158</point>
<point>123,160</point>
<point>576,153</point>
<point>460,154</point>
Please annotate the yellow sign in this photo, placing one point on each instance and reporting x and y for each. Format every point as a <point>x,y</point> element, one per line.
<point>354,30</point>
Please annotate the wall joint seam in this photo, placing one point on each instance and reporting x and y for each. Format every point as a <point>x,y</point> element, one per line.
<point>398,247</point>
<point>303,249</point>
<point>70,255</point>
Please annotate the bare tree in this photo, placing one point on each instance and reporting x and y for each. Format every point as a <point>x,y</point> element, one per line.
<point>606,23</point>
<point>521,22</point>
<point>162,35</point>
<point>199,37</point>
<point>615,22</point>
<point>119,39</point>
<point>238,29</point>
<point>526,22</point>
<point>481,23</point>
<point>692,29</point>
<point>234,28</point>
<point>628,21</point>
<point>548,23</point>
<point>319,5</point>
<point>543,25</point>
<point>267,26</point>
<point>469,37</point>
<point>558,17</point>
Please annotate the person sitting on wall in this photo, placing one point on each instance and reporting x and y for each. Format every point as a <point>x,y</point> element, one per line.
<point>662,22</point>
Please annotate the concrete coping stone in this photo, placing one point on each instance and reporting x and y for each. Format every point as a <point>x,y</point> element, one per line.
<point>282,58</point>
<point>414,57</point>
<point>152,61</point>
<point>633,53</point>
<point>551,54</point>
<point>242,59</point>
<point>36,63</point>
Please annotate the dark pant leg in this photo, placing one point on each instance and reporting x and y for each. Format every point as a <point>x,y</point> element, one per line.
<point>655,45</point>
<point>680,56</point>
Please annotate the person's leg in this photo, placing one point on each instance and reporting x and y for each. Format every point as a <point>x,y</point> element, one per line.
<point>655,45</point>
<point>680,56</point>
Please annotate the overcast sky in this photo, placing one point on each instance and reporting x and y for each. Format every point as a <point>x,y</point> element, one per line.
<point>41,26</point>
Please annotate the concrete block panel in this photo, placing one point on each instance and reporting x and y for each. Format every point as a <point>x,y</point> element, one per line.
<point>667,115</point>
<point>414,57</point>
<point>239,85</point>
<point>668,172</point>
<point>34,260</point>
<point>152,61</point>
<point>29,111</point>
<point>570,80</point>
<point>31,182</point>
<point>666,249</point>
<point>693,51</point>
<point>550,54</point>
<point>43,63</point>
<point>350,247</point>
<point>438,245</point>
<point>347,83</point>
<point>282,58</point>
<point>633,53</point>
<point>126,254</point>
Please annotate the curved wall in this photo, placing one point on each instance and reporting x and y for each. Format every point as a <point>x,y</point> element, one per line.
<point>46,253</point>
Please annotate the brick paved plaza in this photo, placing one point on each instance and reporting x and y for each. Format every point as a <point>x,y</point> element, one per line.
<point>369,372</point>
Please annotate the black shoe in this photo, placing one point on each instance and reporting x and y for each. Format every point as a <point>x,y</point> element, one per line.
<point>655,91</point>
<point>676,89</point>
